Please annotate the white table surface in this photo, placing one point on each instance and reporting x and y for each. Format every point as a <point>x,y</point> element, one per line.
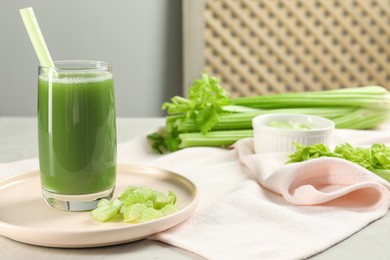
<point>18,141</point>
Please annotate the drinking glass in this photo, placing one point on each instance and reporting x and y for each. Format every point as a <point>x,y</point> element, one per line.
<point>76,133</point>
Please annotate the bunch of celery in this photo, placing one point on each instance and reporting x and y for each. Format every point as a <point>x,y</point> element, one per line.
<point>209,117</point>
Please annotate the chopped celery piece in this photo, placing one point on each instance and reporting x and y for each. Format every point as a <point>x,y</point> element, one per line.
<point>150,214</point>
<point>106,210</point>
<point>133,212</point>
<point>162,200</point>
<point>103,202</point>
<point>140,195</point>
<point>173,196</point>
<point>168,209</point>
<point>135,205</point>
<point>128,190</point>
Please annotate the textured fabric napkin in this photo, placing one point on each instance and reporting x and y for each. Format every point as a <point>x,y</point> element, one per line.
<point>317,181</point>
<point>256,207</point>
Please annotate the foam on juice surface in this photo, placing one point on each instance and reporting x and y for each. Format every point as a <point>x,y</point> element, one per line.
<point>78,77</point>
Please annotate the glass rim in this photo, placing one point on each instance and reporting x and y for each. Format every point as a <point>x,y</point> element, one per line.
<point>79,65</point>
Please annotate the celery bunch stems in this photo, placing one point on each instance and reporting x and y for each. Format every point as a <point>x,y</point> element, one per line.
<point>244,120</point>
<point>210,118</point>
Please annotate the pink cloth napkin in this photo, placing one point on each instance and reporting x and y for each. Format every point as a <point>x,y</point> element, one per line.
<point>317,181</point>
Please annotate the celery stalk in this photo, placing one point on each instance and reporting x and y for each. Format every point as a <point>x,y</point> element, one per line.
<point>362,119</point>
<point>214,138</point>
<point>371,96</point>
<point>209,118</point>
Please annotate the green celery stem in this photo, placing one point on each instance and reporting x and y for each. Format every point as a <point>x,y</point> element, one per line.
<point>215,138</point>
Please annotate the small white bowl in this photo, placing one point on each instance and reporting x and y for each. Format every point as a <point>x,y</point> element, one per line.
<point>271,139</point>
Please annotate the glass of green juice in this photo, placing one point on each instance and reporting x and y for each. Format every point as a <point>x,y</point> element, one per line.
<point>76,133</point>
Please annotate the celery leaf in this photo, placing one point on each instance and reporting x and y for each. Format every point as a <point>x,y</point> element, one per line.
<point>375,158</point>
<point>205,102</point>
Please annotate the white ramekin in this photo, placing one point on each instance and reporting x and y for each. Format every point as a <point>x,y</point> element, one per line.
<point>269,139</point>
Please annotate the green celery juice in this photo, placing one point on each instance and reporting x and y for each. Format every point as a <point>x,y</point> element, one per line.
<point>77,132</point>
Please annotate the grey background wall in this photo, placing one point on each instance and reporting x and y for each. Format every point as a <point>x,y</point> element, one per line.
<point>141,38</point>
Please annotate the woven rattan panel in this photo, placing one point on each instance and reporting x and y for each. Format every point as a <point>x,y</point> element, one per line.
<point>276,46</point>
